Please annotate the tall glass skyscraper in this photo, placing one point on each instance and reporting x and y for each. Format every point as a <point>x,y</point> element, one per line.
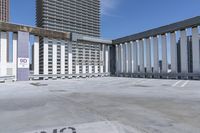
<point>77,16</point>
<point>4,10</point>
<point>4,16</point>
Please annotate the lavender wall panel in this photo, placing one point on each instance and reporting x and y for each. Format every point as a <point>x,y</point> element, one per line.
<point>23,53</point>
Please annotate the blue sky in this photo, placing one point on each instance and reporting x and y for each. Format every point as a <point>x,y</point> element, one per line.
<point>122,17</point>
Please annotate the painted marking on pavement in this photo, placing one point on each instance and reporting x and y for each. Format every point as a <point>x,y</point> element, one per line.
<point>176,83</point>
<point>186,82</point>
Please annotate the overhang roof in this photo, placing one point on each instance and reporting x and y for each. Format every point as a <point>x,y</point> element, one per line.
<point>9,27</point>
<point>192,22</point>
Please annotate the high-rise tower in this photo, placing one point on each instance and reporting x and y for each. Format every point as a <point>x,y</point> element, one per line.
<point>4,16</point>
<point>4,10</point>
<point>77,16</point>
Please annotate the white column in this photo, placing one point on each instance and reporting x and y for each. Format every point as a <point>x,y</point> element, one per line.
<point>83,63</point>
<point>130,57</point>
<point>35,55</point>
<point>109,58</point>
<point>45,54</point>
<point>77,60</point>
<point>148,55</point>
<point>156,55</point>
<point>84,69</point>
<point>120,61</point>
<point>90,60</point>
<point>127,57</point>
<point>135,57</point>
<point>106,59</point>
<point>173,52</point>
<point>122,57</point>
<point>141,47</point>
<point>3,52</point>
<point>54,57</point>
<point>184,52</point>
<point>164,54</point>
<point>117,58</point>
<point>102,58</point>
<point>77,69</point>
<point>96,62</point>
<point>69,58</point>
<point>63,57</point>
<point>195,50</point>
<point>15,55</point>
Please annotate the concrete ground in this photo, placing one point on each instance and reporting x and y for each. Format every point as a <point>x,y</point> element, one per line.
<point>101,105</point>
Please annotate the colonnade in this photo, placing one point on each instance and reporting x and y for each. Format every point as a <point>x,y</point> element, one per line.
<point>171,51</point>
<point>75,59</point>
<point>8,68</point>
<point>55,59</point>
<point>134,57</point>
<point>54,54</point>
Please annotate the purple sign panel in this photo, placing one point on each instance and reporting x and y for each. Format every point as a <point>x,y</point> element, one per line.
<point>23,56</point>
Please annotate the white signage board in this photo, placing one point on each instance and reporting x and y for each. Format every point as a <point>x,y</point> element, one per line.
<point>23,62</point>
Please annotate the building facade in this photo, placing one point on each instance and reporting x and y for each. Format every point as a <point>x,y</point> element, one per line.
<point>79,17</point>
<point>4,17</point>
<point>78,56</point>
<point>4,10</point>
<point>67,55</point>
<point>76,16</point>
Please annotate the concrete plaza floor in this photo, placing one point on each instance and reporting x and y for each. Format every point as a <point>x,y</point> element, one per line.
<point>101,105</point>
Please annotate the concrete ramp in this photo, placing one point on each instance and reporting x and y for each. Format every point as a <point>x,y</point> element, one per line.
<point>97,127</point>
